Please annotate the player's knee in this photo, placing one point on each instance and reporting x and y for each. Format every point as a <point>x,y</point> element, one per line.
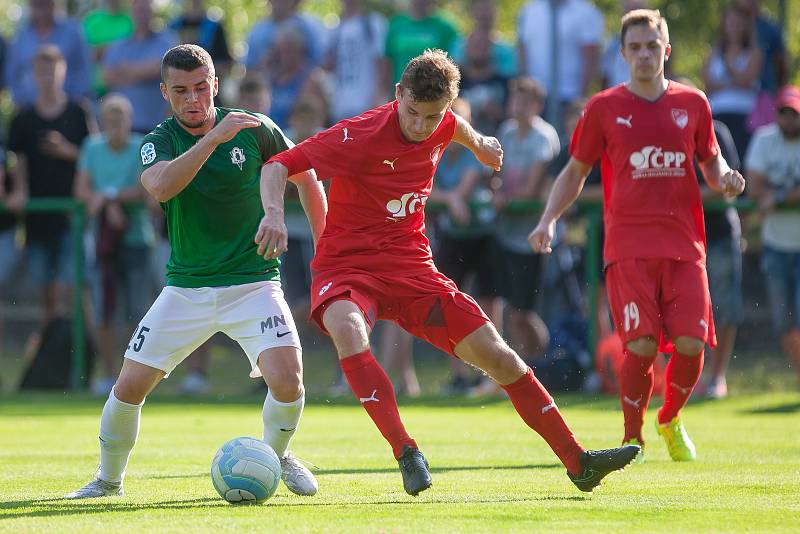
<point>689,346</point>
<point>349,334</point>
<point>288,389</point>
<point>643,346</point>
<point>129,391</point>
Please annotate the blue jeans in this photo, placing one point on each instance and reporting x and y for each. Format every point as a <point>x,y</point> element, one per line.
<point>724,266</point>
<point>782,273</point>
<point>51,262</point>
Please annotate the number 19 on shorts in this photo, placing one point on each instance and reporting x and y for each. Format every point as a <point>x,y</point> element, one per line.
<point>631,316</point>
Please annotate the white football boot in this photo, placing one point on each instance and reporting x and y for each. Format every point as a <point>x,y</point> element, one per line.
<point>97,488</point>
<point>297,477</point>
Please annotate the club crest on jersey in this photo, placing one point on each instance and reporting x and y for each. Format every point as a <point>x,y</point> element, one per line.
<point>435,154</point>
<point>148,153</point>
<point>237,157</point>
<point>680,117</point>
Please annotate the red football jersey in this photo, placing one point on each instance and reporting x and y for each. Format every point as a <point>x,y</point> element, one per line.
<point>652,206</point>
<point>380,183</point>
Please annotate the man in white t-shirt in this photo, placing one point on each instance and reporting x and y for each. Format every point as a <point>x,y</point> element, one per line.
<point>354,54</point>
<point>773,164</point>
<point>580,36</point>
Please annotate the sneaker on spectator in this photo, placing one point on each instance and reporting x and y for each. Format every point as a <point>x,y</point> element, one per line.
<point>194,384</point>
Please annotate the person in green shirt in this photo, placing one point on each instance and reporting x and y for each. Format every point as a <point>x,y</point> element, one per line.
<point>102,26</point>
<point>410,34</point>
<point>203,164</point>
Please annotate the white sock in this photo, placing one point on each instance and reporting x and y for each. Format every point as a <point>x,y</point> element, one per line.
<point>119,428</point>
<point>280,421</point>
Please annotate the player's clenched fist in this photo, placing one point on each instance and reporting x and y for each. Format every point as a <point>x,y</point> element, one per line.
<point>271,237</point>
<point>732,183</point>
<point>231,124</point>
<point>541,237</point>
<point>490,153</point>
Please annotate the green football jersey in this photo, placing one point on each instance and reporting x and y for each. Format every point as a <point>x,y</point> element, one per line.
<point>212,223</point>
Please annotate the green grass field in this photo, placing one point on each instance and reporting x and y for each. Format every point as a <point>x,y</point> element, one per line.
<point>491,473</point>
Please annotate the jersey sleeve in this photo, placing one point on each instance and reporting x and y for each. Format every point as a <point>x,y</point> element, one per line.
<point>706,146</point>
<point>271,139</point>
<point>330,157</point>
<point>588,140</point>
<point>156,146</point>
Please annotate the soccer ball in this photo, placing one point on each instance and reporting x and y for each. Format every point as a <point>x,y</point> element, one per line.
<point>246,471</point>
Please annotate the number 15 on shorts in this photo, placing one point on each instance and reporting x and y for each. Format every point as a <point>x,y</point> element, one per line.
<point>137,339</point>
<point>631,316</point>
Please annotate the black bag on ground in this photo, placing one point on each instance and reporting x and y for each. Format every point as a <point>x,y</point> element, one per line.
<point>52,366</point>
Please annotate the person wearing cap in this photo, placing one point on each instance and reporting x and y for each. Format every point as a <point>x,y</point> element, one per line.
<point>773,163</point>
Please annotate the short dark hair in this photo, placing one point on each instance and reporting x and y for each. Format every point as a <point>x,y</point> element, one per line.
<point>529,88</point>
<point>186,57</point>
<point>644,17</point>
<point>431,76</point>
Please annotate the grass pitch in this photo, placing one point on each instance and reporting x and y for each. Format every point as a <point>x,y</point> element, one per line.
<point>491,474</point>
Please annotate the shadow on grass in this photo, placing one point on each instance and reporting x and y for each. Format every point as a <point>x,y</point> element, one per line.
<point>368,470</point>
<point>791,407</point>
<point>62,507</point>
<point>32,404</point>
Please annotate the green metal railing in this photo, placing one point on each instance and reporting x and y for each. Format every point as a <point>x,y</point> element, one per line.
<point>591,210</point>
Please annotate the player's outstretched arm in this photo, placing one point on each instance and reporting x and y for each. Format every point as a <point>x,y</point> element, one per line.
<point>721,178</point>
<point>486,149</point>
<point>313,199</point>
<point>166,179</point>
<point>565,190</point>
<point>272,236</point>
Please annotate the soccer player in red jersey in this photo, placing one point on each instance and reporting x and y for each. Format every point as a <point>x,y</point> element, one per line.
<point>374,262</point>
<point>647,133</point>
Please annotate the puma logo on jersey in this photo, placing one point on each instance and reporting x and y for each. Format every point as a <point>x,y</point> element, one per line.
<point>631,402</point>
<point>407,204</point>
<point>346,137</point>
<point>371,398</point>
<point>325,288</point>
<point>390,162</point>
<point>624,121</point>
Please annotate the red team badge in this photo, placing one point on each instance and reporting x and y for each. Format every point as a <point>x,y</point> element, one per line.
<point>680,117</point>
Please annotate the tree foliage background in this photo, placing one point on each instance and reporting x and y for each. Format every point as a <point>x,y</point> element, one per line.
<point>693,23</point>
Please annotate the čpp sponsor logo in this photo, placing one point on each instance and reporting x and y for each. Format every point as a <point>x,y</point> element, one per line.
<point>655,161</point>
<point>406,205</point>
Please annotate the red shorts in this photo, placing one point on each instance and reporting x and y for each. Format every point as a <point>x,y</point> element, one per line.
<point>428,306</point>
<point>661,298</point>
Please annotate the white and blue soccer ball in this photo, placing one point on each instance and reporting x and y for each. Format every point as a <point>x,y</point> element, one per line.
<point>246,471</point>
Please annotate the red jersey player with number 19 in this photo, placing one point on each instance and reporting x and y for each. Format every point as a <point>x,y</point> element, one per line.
<point>648,132</point>
<point>374,262</point>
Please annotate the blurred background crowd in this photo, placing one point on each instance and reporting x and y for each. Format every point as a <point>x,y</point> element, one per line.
<point>81,86</point>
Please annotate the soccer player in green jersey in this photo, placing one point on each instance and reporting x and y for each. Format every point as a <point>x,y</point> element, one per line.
<point>203,165</point>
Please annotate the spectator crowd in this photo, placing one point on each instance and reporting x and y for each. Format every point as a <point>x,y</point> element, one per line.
<point>85,91</point>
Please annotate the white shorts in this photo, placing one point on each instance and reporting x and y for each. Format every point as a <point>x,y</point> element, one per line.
<point>181,319</point>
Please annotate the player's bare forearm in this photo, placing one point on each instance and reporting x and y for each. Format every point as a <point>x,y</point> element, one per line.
<point>565,191</point>
<point>273,186</point>
<point>272,237</point>
<point>166,179</point>
<point>721,178</point>
<point>486,149</point>
<point>314,201</point>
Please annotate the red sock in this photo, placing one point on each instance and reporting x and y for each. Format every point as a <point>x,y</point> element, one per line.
<point>537,408</point>
<point>372,387</point>
<point>680,377</point>
<point>635,389</point>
